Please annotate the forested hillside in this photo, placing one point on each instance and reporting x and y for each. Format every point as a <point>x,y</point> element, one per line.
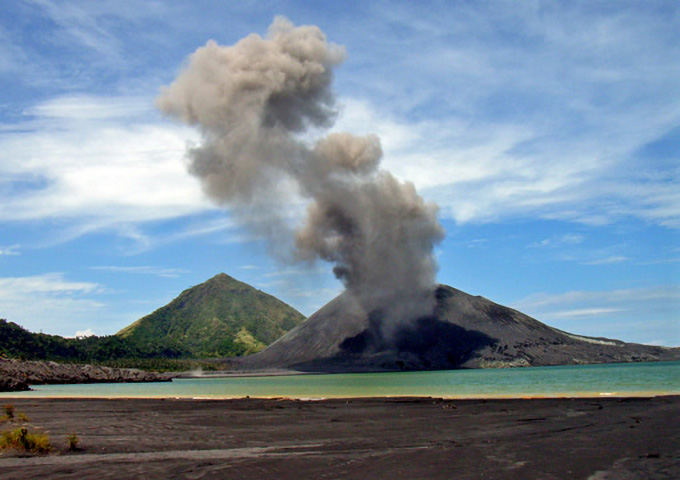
<point>17,342</point>
<point>219,318</point>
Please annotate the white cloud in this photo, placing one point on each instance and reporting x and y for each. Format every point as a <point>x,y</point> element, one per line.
<point>608,260</point>
<point>292,273</point>
<point>649,294</point>
<point>11,56</point>
<point>545,120</point>
<point>81,107</point>
<point>206,227</point>
<point>480,173</point>
<point>43,284</point>
<point>81,26</point>
<point>558,241</point>
<point>84,333</point>
<point>624,314</point>
<point>475,243</point>
<point>546,125</point>
<point>50,302</point>
<point>307,289</point>
<point>143,270</point>
<point>586,312</point>
<point>98,163</point>
<point>11,250</point>
<point>308,300</point>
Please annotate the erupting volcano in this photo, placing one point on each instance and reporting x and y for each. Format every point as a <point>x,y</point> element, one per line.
<point>255,104</point>
<point>463,331</point>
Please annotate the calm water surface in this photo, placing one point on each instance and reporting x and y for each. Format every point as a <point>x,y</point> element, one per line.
<point>582,380</point>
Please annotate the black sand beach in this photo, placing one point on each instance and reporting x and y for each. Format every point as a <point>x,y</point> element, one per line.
<point>391,438</point>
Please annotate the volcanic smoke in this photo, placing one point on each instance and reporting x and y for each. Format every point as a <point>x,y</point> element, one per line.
<point>253,102</point>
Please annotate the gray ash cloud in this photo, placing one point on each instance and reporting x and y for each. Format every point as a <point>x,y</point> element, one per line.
<point>253,102</point>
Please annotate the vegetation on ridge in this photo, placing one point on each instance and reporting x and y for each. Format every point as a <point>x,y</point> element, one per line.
<point>219,318</point>
<point>17,342</point>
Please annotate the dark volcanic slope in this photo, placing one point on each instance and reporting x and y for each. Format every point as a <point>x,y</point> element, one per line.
<point>464,332</point>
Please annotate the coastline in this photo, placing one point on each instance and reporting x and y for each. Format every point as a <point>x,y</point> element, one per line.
<point>547,396</point>
<point>390,437</point>
<point>19,375</point>
<point>597,381</point>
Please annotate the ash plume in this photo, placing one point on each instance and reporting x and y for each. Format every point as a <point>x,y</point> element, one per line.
<point>252,103</point>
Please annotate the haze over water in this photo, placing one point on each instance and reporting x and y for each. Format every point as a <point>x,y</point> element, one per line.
<point>630,379</point>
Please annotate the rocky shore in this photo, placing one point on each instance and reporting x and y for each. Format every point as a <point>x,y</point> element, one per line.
<point>17,375</point>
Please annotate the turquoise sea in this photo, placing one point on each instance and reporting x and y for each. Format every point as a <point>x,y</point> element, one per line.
<point>625,379</point>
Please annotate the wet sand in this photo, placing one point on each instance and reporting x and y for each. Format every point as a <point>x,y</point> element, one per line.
<point>391,438</point>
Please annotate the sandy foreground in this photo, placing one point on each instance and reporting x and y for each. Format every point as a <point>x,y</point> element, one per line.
<point>390,438</point>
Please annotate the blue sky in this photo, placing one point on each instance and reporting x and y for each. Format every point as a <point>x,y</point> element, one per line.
<point>547,132</point>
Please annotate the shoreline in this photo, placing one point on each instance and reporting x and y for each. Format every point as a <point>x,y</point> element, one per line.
<point>354,438</point>
<point>567,396</point>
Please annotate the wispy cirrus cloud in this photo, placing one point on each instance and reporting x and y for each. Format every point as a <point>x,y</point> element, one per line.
<point>650,294</point>
<point>10,250</point>
<point>502,112</point>
<point>621,314</point>
<point>80,26</point>
<point>308,289</point>
<point>586,312</point>
<point>543,124</point>
<point>49,301</point>
<point>479,172</point>
<point>559,241</point>
<point>608,260</point>
<point>84,45</point>
<point>542,121</point>
<point>142,270</point>
<point>95,162</point>
<point>44,284</point>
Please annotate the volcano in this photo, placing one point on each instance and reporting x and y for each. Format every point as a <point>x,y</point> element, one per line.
<point>464,331</point>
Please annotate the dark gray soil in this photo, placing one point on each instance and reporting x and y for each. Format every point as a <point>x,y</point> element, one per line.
<point>388,438</point>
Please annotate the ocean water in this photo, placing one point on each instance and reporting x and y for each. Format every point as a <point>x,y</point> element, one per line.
<point>624,379</point>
